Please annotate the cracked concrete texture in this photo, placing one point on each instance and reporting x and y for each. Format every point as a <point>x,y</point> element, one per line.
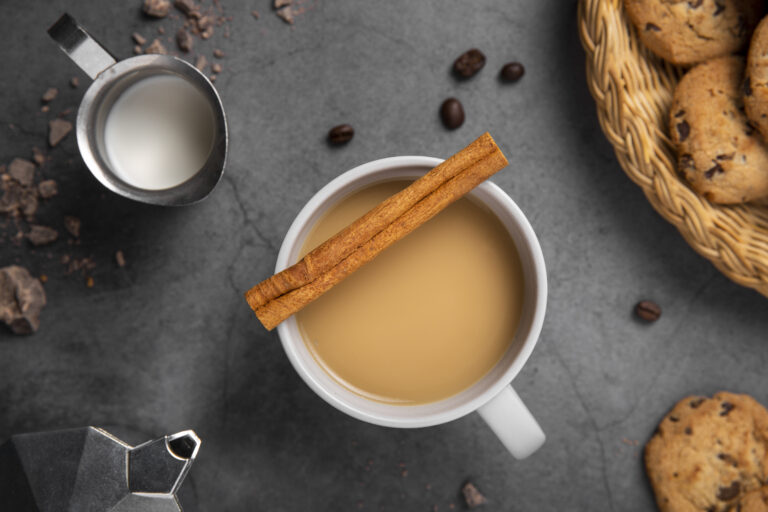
<point>168,343</point>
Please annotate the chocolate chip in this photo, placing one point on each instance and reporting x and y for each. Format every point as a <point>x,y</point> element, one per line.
<point>729,156</point>
<point>651,26</point>
<point>72,224</point>
<point>683,130</point>
<point>686,161</point>
<point>341,134</point>
<point>709,173</point>
<point>747,87</point>
<point>22,171</point>
<point>42,235</point>
<point>156,47</point>
<point>157,8</point>
<point>727,407</point>
<point>50,94</point>
<point>730,492</point>
<point>647,310</point>
<point>688,431</point>
<point>696,402</point>
<point>718,8</point>
<point>184,40</point>
<point>472,496</point>
<point>469,63</point>
<point>57,130</point>
<point>695,3</point>
<point>21,300</point>
<point>680,113</point>
<point>452,113</point>
<point>47,189</point>
<point>139,39</point>
<point>730,459</point>
<point>512,72</point>
<point>674,419</point>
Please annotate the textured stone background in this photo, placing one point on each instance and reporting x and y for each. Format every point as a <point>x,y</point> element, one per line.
<point>168,343</point>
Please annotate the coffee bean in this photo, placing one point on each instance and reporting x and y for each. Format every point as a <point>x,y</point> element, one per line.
<point>512,72</point>
<point>341,134</point>
<point>452,113</point>
<point>469,63</point>
<point>647,310</point>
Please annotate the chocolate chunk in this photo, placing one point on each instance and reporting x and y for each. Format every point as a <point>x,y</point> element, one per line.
<point>42,235</point>
<point>218,54</point>
<point>120,259</point>
<point>469,63</point>
<point>201,62</point>
<point>696,402</point>
<point>341,134</point>
<point>216,67</point>
<point>718,8</point>
<point>747,87</point>
<point>57,130</point>
<point>74,82</point>
<point>472,496</point>
<point>156,47</point>
<point>651,26</point>
<point>730,492</point>
<point>38,156</point>
<point>688,431</point>
<point>512,72</point>
<point>22,171</point>
<point>709,173</point>
<point>139,39</point>
<point>452,113</point>
<point>680,113</point>
<point>727,407</point>
<point>47,189</point>
<point>683,130</point>
<point>21,300</point>
<point>50,94</point>
<point>157,8</point>
<point>184,40</point>
<point>72,224</point>
<point>285,14</point>
<point>728,459</point>
<point>187,7</point>
<point>648,310</point>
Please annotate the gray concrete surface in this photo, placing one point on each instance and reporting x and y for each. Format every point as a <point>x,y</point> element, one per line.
<point>168,343</point>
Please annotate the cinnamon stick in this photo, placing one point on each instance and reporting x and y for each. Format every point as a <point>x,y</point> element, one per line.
<point>479,161</point>
<point>332,251</point>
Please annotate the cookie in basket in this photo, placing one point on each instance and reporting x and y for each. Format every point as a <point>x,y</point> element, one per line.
<point>710,454</point>
<point>756,79</point>
<point>691,31</point>
<point>719,152</point>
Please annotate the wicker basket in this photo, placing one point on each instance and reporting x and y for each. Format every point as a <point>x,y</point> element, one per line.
<point>633,90</point>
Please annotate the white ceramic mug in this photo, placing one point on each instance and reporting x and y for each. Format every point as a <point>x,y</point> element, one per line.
<point>492,396</point>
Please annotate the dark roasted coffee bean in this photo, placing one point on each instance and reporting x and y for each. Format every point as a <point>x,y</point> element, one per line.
<point>647,310</point>
<point>512,72</point>
<point>469,63</point>
<point>452,113</point>
<point>341,134</point>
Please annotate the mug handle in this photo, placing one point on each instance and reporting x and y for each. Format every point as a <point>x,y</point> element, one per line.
<point>81,47</point>
<point>513,423</point>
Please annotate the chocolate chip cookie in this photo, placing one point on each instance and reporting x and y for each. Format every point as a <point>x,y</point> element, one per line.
<point>710,454</point>
<point>756,80</point>
<point>719,152</point>
<point>691,31</point>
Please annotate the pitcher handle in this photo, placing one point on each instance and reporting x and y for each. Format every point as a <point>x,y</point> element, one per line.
<point>513,423</point>
<point>81,47</point>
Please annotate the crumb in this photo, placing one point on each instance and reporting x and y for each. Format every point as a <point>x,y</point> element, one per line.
<point>161,30</point>
<point>22,171</point>
<point>216,67</point>
<point>22,298</point>
<point>139,39</point>
<point>65,112</point>
<point>218,53</point>
<point>43,278</point>
<point>45,108</point>
<point>57,130</point>
<point>472,496</point>
<point>212,78</point>
<point>281,3</point>
<point>89,282</point>
<point>286,14</point>
<point>120,259</point>
<point>137,50</point>
<point>187,7</point>
<point>156,47</point>
<point>42,235</point>
<point>47,189</point>
<point>184,40</point>
<point>201,62</point>
<point>38,156</point>
<point>50,94</point>
<point>404,473</point>
<point>74,82</point>
<point>157,8</point>
<point>72,224</point>
<point>255,14</point>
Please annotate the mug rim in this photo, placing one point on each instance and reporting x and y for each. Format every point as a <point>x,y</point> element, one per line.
<point>319,201</point>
